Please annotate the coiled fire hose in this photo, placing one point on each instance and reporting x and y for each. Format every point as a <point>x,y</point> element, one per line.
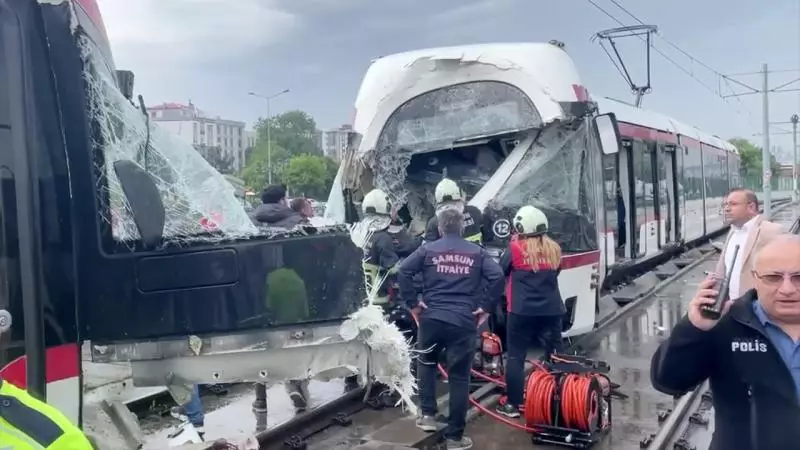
<point>579,397</point>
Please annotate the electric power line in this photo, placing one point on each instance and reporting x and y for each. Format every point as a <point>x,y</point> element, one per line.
<point>724,78</point>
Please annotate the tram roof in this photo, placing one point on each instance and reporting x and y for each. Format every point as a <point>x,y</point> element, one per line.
<point>516,52</point>
<point>655,120</point>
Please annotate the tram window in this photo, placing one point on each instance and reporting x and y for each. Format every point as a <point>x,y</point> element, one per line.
<point>693,173</point>
<point>714,170</point>
<point>733,171</point>
<point>189,188</point>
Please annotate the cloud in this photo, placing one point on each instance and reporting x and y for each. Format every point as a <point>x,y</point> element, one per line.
<point>186,31</point>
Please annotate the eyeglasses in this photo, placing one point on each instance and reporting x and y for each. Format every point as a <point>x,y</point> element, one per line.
<point>775,279</point>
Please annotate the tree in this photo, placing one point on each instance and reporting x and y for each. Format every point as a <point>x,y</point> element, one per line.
<point>750,156</point>
<point>292,131</point>
<point>296,159</point>
<point>307,175</point>
<point>217,158</point>
<point>257,167</point>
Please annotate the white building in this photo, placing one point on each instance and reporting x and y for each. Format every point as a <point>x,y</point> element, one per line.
<point>334,142</point>
<point>197,128</point>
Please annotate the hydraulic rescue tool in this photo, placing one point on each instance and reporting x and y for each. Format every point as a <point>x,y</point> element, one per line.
<point>713,312</point>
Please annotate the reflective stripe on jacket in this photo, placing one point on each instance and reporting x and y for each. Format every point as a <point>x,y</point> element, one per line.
<point>30,424</point>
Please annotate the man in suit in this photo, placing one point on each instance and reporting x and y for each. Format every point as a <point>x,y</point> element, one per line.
<point>748,231</point>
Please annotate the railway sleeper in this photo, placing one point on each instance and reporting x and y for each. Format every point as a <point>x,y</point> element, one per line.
<point>683,444</point>
<point>698,418</point>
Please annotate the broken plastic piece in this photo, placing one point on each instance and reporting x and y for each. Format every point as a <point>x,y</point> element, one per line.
<point>296,443</point>
<point>343,420</point>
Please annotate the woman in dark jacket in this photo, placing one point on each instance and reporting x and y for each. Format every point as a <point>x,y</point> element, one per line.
<point>535,308</point>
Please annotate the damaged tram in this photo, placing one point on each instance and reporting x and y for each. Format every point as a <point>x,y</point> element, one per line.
<point>103,237</point>
<point>513,125</point>
<point>510,123</point>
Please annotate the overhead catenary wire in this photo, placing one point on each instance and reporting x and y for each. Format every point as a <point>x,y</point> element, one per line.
<point>687,72</point>
<point>727,79</point>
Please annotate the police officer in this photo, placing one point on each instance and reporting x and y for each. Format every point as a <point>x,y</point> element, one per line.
<point>27,423</point>
<point>532,262</point>
<point>454,273</point>
<point>448,194</point>
<point>749,356</point>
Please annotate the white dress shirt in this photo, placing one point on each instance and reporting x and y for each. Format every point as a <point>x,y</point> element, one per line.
<point>739,236</point>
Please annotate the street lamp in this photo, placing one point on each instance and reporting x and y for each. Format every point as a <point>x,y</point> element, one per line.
<point>267,98</point>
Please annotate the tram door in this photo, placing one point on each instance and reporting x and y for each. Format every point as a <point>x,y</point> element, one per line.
<point>668,178</point>
<point>626,196</point>
<point>618,205</point>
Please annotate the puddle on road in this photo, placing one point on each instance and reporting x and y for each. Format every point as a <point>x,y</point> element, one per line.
<point>235,420</point>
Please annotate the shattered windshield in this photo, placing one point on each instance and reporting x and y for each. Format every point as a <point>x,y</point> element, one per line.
<point>435,120</point>
<point>190,188</point>
<point>554,176</point>
<point>416,146</point>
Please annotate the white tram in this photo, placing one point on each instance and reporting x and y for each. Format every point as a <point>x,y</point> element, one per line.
<point>514,125</point>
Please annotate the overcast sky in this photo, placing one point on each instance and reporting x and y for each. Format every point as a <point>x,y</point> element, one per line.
<point>215,51</point>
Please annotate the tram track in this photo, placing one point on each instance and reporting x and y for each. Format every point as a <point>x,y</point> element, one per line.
<point>690,411</point>
<point>343,423</point>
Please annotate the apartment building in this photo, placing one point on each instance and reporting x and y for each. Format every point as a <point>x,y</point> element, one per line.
<point>334,142</point>
<point>198,128</point>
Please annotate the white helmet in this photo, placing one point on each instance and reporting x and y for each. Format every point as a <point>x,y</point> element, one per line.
<point>530,221</point>
<point>376,202</point>
<point>448,191</point>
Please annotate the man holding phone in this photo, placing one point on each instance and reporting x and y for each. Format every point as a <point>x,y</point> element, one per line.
<point>749,355</point>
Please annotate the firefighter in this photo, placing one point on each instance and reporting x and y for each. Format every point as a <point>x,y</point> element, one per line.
<point>448,194</point>
<point>404,243</point>
<point>380,256</point>
<point>532,263</point>
<point>27,423</point>
<point>454,273</point>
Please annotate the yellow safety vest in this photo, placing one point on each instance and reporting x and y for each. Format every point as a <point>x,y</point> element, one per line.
<point>30,424</point>
<point>372,274</point>
<point>475,238</point>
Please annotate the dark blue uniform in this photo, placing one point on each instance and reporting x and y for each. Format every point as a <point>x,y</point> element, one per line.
<point>403,242</point>
<point>455,274</point>
<point>379,258</point>
<point>756,402</point>
<point>473,226</point>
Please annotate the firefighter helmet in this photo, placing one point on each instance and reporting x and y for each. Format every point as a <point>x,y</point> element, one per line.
<point>376,202</point>
<point>530,221</point>
<point>448,191</point>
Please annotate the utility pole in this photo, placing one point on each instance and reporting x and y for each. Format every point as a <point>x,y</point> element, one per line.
<point>269,128</point>
<point>766,177</point>
<point>766,157</point>
<point>795,193</point>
